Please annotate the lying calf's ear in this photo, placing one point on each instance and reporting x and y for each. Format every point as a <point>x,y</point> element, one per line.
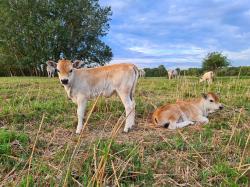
<point>204,95</point>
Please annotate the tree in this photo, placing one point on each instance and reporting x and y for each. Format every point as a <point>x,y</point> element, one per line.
<point>33,31</point>
<point>162,70</point>
<point>215,60</point>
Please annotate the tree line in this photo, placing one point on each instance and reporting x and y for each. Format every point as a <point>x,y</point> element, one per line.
<point>225,71</point>
<point>214,61</point>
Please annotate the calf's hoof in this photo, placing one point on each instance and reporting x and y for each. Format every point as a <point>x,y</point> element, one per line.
<point>78,131</point>
<point>126,130</point>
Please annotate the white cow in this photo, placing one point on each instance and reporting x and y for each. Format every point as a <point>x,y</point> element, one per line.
<point>51,68</point>
<point>141,73</point>
<point>208,76</point>
<point>85,83</point>
<point>172,74</point>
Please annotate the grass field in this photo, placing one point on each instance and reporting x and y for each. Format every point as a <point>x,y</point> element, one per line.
<point>38,144</point>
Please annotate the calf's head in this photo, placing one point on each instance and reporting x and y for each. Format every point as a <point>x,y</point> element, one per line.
<point>65,69</point>
<point>211,102</point>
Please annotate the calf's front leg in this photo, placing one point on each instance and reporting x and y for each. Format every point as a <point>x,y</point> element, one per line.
<point>202,119</point>
<point>81,106</point>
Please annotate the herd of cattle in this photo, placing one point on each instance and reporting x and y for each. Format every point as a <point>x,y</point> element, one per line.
<point>172,73</point>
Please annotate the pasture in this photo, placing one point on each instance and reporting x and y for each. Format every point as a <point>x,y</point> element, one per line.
<point>38,144</point>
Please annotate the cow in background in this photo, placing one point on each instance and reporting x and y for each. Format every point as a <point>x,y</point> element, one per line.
<point>51,68</point>
<point>172,73</point>
<point>141,73</point>
<point>208,76</point>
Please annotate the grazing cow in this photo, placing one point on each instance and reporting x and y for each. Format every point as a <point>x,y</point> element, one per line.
<point>172,74</point>
<point>85,83</point>
<point>51,68</point>
<point>141,73</point>
<point>208,76</point>
<point>184,113</point>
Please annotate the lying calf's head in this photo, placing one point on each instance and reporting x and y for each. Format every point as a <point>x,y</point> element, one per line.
<point>211,102</point>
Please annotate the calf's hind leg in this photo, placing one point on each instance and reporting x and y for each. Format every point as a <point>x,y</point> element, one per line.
<point>129,105</point>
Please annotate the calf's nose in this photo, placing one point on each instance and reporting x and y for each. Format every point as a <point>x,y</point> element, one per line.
<point>221,107</point>
<point>64,81</point>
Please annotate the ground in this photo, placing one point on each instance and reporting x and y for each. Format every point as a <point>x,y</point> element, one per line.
<point>38,144</point>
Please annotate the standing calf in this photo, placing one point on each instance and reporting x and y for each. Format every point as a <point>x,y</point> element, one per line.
<point>172,74</point>
<point>83,84</point>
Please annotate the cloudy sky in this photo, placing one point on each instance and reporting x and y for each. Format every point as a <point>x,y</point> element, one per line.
<point>178,33</point>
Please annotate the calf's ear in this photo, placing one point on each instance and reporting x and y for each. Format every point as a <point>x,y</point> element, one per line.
<point>204,95</point>
<point>77,63</point>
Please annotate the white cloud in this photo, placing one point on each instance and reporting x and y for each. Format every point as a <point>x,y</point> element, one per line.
<point>169,62</point>
<point>168,50</point>
<point>243,55</point>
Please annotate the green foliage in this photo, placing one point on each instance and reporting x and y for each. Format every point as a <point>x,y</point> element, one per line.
<point>156,72</point>
<point>215,60</point>
<point>6,137</point>
<point>234,71</point>
<point>191,72</point>
<point>31,32</point>
<point>224,71</point>
<point>27,181</point>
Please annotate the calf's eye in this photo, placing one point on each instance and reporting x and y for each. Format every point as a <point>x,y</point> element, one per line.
<point>211,101</point>
<point>71,71</point>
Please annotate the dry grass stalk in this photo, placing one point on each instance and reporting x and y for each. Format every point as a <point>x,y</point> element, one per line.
<point>243,153</point>
<point>33,149</point>
<point>233,129</point>
<point>99,174</point>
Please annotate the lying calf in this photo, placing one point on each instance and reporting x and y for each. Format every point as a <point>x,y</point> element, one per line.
<point>184,113</point>
<point>83,84</point>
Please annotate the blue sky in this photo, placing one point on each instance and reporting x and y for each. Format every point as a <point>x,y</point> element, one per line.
<point>178,33</point>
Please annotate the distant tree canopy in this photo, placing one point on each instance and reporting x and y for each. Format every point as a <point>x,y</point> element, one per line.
<point>156,72</point>
<point>215,60</point>
<point>224,71</point>
<point>33,31</point>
